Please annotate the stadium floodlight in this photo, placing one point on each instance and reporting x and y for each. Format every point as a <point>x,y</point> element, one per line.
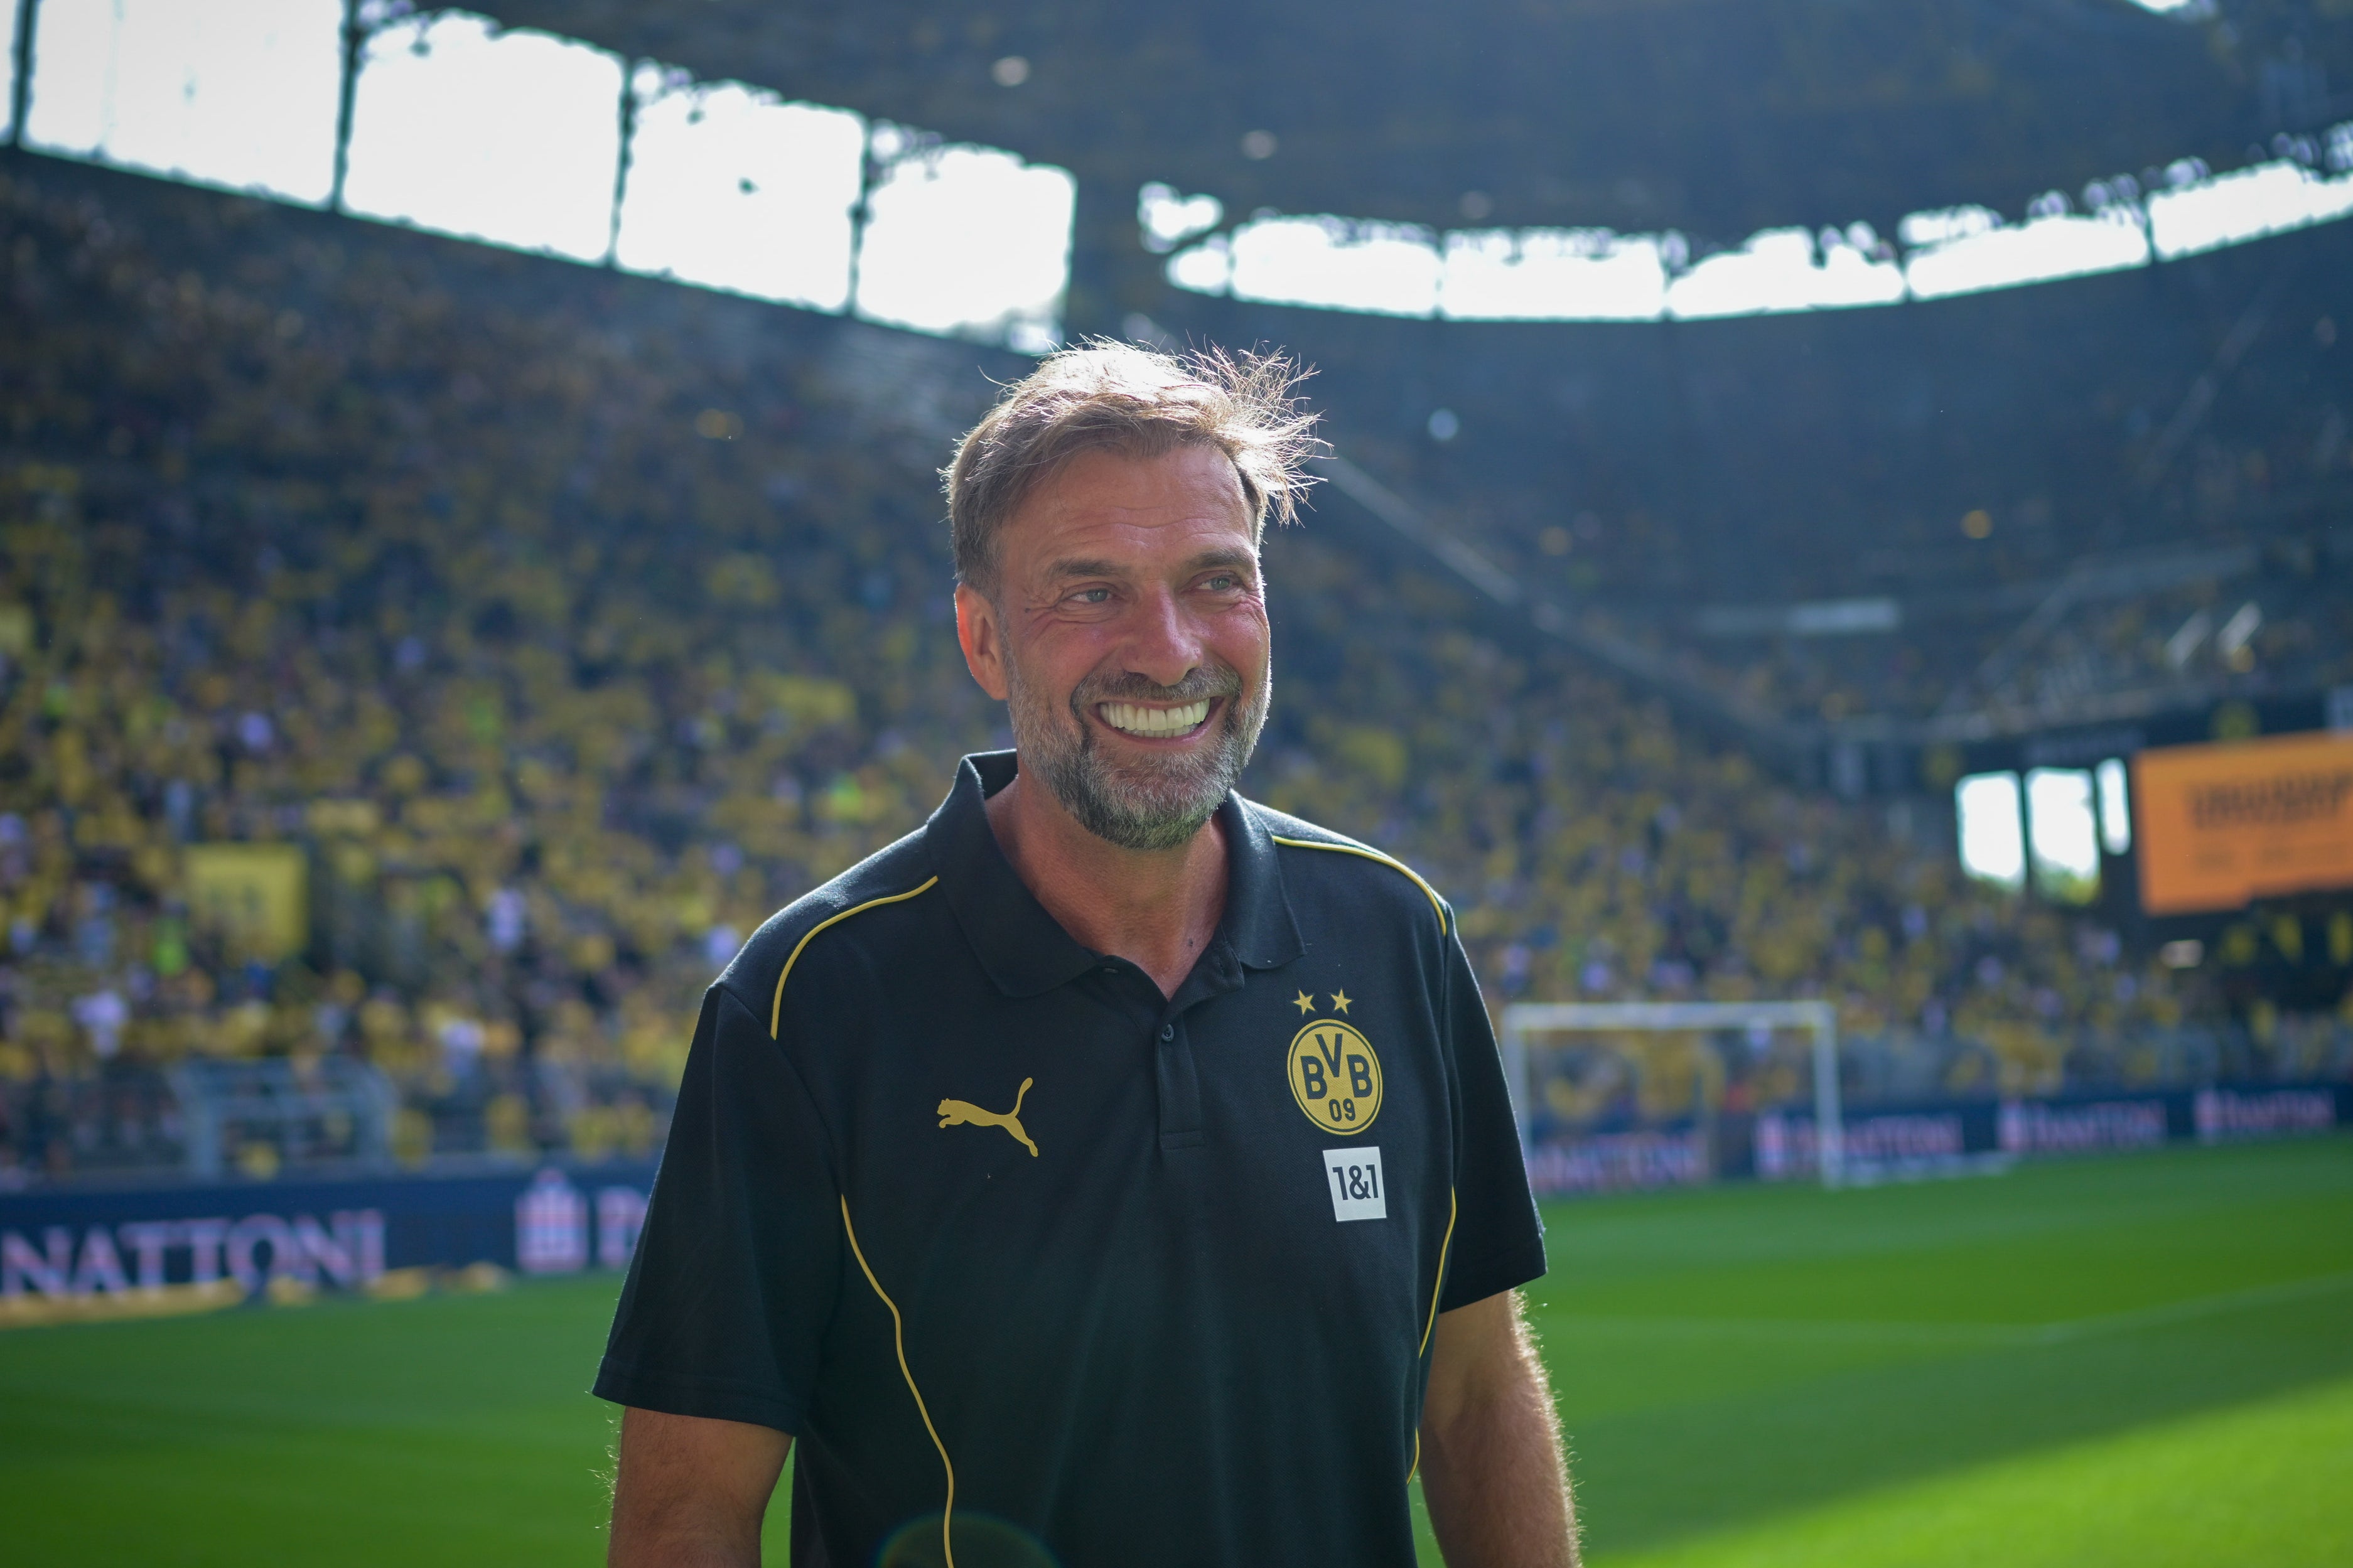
<point>244,97</point>
<point>512,138</point>
<point>731,187</point>
<point>963,240</point>
<point>1524,1021</point>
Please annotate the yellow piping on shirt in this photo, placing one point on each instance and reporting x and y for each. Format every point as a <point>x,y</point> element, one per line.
<point>776,1009</point>
<point>1437,1287</point>
<point>1374,855</point>
<point>898,1337</point>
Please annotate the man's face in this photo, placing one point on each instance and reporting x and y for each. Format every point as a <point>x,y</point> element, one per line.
<point>1128,638</point>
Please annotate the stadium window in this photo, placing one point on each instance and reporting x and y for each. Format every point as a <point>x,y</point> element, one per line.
<point>1968,250</point>
<point>1776,271</point>
<point>1993,841</point>
<point>242,96</point>
<point>2063,832</point>
<point>1337,264</point>
<point>10,19</point>
<point>2206,213</point>
<point>1204,268</point>
<point>2115,807</point>
<point>1167,217</point>
<point>1551,274</point>
<point>965,241</point>
<point>513,138</point>
<point>730,187</point>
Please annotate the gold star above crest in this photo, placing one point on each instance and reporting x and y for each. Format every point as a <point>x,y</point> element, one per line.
<point>1340,1000</point>
<point>1304,1001</point>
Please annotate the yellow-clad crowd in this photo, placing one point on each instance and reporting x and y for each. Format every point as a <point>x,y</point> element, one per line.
<point>445,659</point>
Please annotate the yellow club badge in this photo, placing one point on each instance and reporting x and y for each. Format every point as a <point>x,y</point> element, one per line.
<point>1335,1076</point>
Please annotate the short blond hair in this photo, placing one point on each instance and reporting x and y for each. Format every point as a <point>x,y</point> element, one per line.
<point>1101,394</point>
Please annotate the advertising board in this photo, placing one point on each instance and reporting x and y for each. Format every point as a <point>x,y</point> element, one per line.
<point>66,1244</point>
<point>1620,1161</point>
<point>1922,1136</point>
<point>2220,825</point>
<point>2086,1127</point>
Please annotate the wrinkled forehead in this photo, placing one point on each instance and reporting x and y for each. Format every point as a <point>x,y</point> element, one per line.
<point>1160,510</point>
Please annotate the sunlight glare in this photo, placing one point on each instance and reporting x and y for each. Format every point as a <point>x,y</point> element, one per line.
<point>1552,274</point>
<point>1993,840</point>
<point>732,188</point>
<point>241,96</point>
<point>509,137</point>
<point>969,241</point>
<point>1337,264</point>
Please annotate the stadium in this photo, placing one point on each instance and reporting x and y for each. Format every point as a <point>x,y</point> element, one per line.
<point>1834,553</point>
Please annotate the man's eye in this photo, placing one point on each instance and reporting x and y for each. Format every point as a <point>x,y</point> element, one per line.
<point>1219,584</point>
<point>1093,596</point>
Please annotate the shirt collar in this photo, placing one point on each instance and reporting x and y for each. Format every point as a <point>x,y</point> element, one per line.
<point>1025,950</point>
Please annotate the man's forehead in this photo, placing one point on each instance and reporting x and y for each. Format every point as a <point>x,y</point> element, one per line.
<point>1187,494</point>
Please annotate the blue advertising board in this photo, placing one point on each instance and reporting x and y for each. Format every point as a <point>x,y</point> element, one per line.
<point>75,1244</point>
<point>341,1234</point>
<point>1780,1144</point>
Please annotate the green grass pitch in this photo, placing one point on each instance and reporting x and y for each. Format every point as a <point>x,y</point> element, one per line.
<point>2143,1361</point>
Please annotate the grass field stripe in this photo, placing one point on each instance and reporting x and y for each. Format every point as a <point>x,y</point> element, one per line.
<point>1831,1329</point>
<point>2195,1307</point>
<point>1437,1288</point>
<point>1374,855</point>
<point>777,1008</point>
<point>1898,1331</point>
<point>899,1333</point>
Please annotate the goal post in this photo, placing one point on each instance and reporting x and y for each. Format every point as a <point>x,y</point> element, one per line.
<point>1524,1019</point>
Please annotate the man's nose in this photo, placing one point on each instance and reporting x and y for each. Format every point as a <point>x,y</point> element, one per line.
<point>1163,646</point>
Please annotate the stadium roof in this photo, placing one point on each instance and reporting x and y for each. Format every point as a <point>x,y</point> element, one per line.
<point>1715,117</point>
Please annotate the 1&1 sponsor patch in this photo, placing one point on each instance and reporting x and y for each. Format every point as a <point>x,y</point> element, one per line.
<point>1353,1177</point>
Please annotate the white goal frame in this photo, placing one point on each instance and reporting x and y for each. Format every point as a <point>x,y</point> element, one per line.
<point>1521,1019</point>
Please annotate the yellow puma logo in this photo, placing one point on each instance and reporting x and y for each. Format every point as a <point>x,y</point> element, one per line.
<point>965,1113</point>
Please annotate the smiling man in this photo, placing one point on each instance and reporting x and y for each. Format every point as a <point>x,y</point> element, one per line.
<point>1115,1173</point>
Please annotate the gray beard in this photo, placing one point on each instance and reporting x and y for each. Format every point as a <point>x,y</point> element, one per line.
<point>1145,806</point>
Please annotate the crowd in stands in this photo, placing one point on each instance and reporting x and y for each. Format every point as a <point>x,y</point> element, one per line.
<point>2041,489</point>
<point>568,628</point>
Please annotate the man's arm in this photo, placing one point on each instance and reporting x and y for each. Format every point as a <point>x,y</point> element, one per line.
<point>691,1492</point>
<point>1490,1458</point>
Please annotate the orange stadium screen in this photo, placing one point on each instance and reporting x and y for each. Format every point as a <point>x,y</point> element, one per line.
<point>2220,825</point>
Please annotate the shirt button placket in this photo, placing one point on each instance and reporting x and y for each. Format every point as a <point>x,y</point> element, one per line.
<point>1180,1090</point>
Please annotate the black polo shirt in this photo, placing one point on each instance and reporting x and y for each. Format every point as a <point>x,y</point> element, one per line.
<point>1105,1278</point>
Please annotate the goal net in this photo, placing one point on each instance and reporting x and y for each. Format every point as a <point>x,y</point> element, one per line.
<point>1629,1094</point>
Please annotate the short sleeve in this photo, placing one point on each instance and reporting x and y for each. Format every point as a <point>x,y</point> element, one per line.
<point>1498,1240</point>
<point>738,1264</point>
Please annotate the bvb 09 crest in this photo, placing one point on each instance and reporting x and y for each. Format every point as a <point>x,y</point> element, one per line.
<point>1335,1077</point>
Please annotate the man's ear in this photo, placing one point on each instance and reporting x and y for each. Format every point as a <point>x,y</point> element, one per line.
<point>981,634</point>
